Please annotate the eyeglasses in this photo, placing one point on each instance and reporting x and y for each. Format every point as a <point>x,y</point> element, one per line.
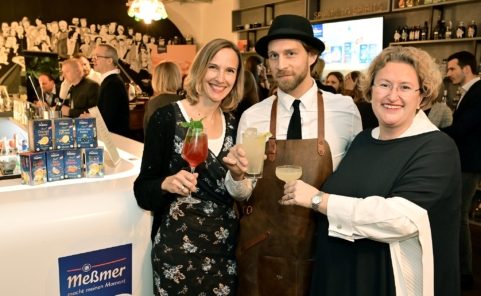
<point>386,87</point>
<point>94,57</point>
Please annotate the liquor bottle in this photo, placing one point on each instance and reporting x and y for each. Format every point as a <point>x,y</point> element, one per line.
<point>461,30</point>
<point>442,29</point>
<point>436,30</point>
<point>449,29</point>
<point>424,31</point>
<point>404,34</point>
<point>444,99</point>
<point>397,35</point>
<point>472,29</point>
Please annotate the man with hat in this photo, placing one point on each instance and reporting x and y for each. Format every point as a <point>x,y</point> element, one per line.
<point>309,128</point>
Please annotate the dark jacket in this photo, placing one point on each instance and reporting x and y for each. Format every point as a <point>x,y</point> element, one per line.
<point>466,129</point>
<point>114,104</point>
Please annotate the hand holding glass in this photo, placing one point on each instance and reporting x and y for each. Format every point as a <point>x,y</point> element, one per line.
<point>288,173</point>
<point>254,147</point>
<point>194,151</point>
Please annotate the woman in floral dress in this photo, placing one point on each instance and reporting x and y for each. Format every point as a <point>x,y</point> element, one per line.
<point>193,244</point>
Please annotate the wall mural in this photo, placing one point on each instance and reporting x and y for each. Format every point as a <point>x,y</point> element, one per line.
<point>135,49</point>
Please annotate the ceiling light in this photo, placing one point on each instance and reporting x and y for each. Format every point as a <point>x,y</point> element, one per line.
<point>146,10</point>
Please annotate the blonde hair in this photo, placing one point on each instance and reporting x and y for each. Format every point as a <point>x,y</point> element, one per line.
<point>428,73</point>
<point>166,77</point>
<point>193,81</point>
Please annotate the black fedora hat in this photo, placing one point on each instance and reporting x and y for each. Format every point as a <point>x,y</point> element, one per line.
<point>289,26</point>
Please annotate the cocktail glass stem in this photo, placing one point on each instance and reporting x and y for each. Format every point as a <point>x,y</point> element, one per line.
<point>189,199</point>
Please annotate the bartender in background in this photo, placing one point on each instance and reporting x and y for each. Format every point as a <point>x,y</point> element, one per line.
<point>49,91</point>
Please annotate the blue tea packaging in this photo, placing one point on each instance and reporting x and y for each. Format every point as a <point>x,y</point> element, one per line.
<point>85,132</point>
<point>33,168</point>
<point>55,165</point>
<point>63,133</point>
<point>94,162</point>
<point>40,135</point>
<point>73,163</point>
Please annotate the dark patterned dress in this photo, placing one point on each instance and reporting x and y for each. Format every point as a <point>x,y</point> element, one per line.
<point>193,249</point>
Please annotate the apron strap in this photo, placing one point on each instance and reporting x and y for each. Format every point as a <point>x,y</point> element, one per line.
<point>271,144</point>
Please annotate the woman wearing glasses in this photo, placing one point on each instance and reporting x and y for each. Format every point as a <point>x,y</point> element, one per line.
<point>391,209</point>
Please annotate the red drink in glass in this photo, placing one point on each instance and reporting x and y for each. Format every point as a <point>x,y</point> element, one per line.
<point>195,150</point>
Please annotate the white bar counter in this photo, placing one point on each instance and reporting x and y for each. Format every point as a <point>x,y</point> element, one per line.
<point>41,224</point>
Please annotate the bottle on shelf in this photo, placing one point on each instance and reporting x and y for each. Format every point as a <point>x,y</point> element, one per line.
<point>461,30</point>
<point>444,99</point>
<point>472,29</point>
<point>404,34</point>
<point>424,31</point>
<point>397,35</point>
<point>449,29</point>
<point>442,29</point>
<point>436,30</point>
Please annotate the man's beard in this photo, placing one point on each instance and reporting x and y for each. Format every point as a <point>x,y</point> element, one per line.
<point>288,86</point>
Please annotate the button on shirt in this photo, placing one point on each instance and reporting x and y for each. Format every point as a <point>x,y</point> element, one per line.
<point>341,119</point>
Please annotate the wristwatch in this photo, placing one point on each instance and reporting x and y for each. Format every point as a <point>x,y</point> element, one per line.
<point>316,200</point>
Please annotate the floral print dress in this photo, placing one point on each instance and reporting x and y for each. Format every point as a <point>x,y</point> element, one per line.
<point>194,249</point>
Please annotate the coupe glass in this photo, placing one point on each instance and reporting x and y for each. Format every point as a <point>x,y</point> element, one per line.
<point>288,173</point>
<point>195,152</point>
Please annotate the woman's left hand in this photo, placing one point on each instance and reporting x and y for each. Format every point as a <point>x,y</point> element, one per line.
<point>298,193</point>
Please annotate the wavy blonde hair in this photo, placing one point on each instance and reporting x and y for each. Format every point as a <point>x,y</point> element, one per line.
<point>193,81</point>
<point>166,78</point>
<point>429,76</point>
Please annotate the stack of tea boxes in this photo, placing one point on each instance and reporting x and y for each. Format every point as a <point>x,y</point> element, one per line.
<point>62,148</point>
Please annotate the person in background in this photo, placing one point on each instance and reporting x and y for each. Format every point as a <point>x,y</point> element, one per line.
<point>336,80</point>
<point>250,96</point>
<point>439,112</point>
<point>166,82</point>
<point>83,92</point>
<point>466,132</point>
<point>255,65</point>
<point>113,100</point>
<point>193,244</point>
<point>87,69</point>
<point>275,248</point>
<point>87,72</point>
<point>316,73</point>
<point>391,231</point>
<point>49,91</point>
<point>352,88</point>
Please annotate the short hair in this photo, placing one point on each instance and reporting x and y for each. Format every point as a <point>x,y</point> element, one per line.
<point>429,75</point>
<point>46,74</point>
<point>110,52</point>
<point>193,81</point>
<point>464,58</point>
<point>166,77</point>
<point>74,64</point>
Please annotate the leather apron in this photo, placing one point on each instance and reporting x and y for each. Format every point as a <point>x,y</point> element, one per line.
<point>275,249</point>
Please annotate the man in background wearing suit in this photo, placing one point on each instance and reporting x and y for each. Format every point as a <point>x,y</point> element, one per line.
<point>113,99</point>
<point>466,132</point>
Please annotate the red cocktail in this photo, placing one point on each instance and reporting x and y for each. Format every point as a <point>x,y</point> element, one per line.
<point>194,151</point>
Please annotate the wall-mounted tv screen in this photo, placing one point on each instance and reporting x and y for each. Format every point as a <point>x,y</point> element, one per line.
<point>350,45</point>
